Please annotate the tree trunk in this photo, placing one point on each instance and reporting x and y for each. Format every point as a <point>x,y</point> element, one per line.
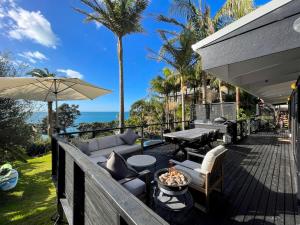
<point>204,100</point>
<point>121,83</point>
<point>182,102</point>
<point>50,119</point>
<point>221,98</point>
<point>167,109</point>
<point>237,99</point>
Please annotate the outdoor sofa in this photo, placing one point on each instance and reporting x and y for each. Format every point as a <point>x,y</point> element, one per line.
<point>100,147</point>
<point>101,150</point>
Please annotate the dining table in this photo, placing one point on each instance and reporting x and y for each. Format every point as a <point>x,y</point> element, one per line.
<point>186,138</point>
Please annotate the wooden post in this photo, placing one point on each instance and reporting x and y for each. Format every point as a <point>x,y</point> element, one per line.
<point>78,196</point>
<point>237,99</point>
<point>61,180</point>
<point>161,131</point>
<point>50,119</point>
<point>203,86</point>
<point>142,138</point>
<point>54,156</point>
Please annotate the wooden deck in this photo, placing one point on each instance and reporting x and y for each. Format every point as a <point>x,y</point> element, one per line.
<point>260,184</point>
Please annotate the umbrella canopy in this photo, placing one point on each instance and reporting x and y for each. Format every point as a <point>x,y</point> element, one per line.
<point>48,89</point>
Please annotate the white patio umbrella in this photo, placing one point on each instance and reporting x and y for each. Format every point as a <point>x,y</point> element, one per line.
<point>49,89</point>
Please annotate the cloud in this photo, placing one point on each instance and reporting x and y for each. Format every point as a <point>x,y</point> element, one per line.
<point>71,73</point>
<point>98,25</point>
<point>23,24</point>
<point>33,57</point>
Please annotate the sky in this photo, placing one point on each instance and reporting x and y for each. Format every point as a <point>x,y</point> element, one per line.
<point>50,34</point>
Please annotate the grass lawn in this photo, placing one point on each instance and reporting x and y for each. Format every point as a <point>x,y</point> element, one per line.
<point>33,199</point>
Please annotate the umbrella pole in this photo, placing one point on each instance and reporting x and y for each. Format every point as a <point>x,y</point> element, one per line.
<point>56,107</point>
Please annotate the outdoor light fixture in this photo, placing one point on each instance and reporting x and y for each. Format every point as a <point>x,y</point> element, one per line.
<point>293,86</point>
<point>296,25</point>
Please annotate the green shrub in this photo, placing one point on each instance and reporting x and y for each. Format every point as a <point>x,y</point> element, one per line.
<point>39,147</point>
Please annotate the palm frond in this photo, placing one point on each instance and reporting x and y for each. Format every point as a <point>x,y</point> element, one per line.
<point>122,17</point>
<point>165,19</point>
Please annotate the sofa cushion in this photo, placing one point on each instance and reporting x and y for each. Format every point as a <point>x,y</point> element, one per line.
<point>93,145</point>
<point>121,149</point>
<point>119,140</point>
<point>98,159</point>
<point>118,167</point>
<point>82,145</point>
<point>198,179</point>
<point>210,157</point>
<point>135,186</point>
<point>129,137</point>
<point>107,142</point>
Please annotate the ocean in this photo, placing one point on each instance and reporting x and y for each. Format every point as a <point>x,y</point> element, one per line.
<point>85,117</point>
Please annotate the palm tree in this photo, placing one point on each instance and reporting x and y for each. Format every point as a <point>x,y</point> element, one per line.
<point>177,52</point>
<point>163,86</point>
<point>122,17</point>
<point>235,9</point>
<point>45,73</point>
<point>231,11</point>
<point>202,26</point>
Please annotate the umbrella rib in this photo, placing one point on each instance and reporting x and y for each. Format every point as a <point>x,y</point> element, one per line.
<point>86,84</point>
<point>40,87</point>
<point>68,87</point>
<point>71,87</point>
<point>49,90</point>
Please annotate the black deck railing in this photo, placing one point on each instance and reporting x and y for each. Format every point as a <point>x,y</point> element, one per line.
<point>87,195</point>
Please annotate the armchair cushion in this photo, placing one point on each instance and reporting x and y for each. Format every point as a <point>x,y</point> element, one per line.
<point>129,137</point>
<point>135,186</point>
<point>210,157</point>
<point>119,168</point>
<point>192,165</point>
<point>198,179</point>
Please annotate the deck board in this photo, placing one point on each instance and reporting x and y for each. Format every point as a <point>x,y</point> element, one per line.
<point>260,185</point>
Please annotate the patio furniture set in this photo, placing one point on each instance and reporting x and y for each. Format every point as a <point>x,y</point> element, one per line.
<point>138,173</point>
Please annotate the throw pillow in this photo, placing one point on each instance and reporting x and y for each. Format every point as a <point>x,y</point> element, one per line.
<point>129,137</point>
<point>82,146</point>
<point>118,167</point>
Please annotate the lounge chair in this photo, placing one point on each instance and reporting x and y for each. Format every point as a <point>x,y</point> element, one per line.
<point>208,175</point>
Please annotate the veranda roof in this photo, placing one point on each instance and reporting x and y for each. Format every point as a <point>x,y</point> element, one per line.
<point>259,52</point>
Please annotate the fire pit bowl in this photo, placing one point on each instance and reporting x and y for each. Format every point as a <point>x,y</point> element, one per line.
<point>173,190</point>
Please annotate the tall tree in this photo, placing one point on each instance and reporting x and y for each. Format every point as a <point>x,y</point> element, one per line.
<point>14,130</point>
<point>42,73</point>
<point>200,22</point>
<point>163,86</point>
<point>235,9</point>
<point>177,52</point>
<point>231,11</point>
<point>122,17</point>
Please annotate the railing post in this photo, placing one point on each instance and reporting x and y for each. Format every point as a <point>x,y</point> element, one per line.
<point>142,138</point>
<point>54,156</point>
<point>161,132</point>
<point>78,196</point>
<point>61,180</point>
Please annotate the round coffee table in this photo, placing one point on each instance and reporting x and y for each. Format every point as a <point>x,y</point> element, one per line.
<point>141,161</point>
